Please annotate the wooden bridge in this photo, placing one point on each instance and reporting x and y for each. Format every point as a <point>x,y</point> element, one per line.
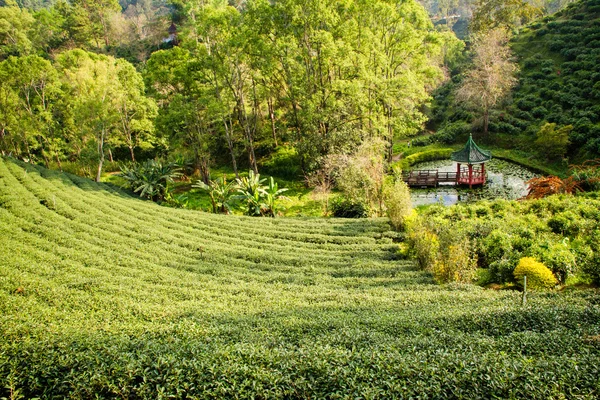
<point>432,178</point>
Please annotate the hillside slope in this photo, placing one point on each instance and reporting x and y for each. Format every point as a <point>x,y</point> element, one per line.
<point>103,295</point>
<point>560,76</point>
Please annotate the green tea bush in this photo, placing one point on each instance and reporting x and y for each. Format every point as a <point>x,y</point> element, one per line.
<point>538,275</point>
<point>346,208</point>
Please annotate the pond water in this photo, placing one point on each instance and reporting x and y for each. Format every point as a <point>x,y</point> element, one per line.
<point>505,180</point>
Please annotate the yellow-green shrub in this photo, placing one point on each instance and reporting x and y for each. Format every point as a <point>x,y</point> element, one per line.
<point>455,263</point>
<point>398,204</point>
<point>424,243</point>
<point>538,275</point>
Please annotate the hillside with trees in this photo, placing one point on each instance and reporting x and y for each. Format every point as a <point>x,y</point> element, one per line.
<point>554,109</point>
<point>242,82</point>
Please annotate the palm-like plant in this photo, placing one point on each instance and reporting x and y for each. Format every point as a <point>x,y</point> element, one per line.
<point>219,192</point>
<point>250,192</point>
<point>150,179</point>
<point>272,193</point>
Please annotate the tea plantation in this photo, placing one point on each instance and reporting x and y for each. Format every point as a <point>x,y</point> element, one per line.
<point>106,296</point>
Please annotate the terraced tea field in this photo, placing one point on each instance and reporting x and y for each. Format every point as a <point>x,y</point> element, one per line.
<point>103,295</point>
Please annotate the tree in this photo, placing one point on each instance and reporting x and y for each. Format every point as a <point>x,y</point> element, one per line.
<point>189,114</point>
<point>99,14</point>
<point>101,92</point>
<point>492,75</point>
<point>15,24</point>
<point>29,88</point>
<point>136,111</point>
<point>361,176</point>
<point>505,14</point>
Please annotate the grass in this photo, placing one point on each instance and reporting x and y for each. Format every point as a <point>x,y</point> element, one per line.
<point>103,295</point>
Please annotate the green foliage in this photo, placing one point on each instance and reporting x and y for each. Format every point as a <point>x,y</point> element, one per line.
<point>397,203</point>
<point>455,262</point>
<point>150,179</point>
<point>442,250</point>
<point>551,141</point>
<point>258,199</point>
<point>507,14</point>
<point>424,243</point>
<point>284,163</point>
<point>342,207</point>
<point>220,193</point>
<point>559,230</point>
<point>538,275</point>
<point>428,155</point>
<point>361,175</point>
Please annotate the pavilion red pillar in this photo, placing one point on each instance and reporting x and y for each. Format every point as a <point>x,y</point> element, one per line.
<point>483,173</point>
<point>470,176</point>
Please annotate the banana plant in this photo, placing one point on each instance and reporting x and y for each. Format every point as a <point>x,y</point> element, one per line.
<point>220,193</point>
<point>272,193</point>
<point>150,179</point>
<point>251,192</point>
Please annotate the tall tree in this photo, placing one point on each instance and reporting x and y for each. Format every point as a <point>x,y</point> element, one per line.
<point>99,13</point>
<point>492,75</point>
<point>28,118</point>
<point>136,111</point>
<point>100,92</point>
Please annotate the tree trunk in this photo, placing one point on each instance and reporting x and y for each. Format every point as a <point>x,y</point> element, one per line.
<point>100,156</point>
<point>272,118</point>
<point>131,152</point>
<point>229,138</point>
<point>46,161</point>
<point>110,156</point>
<point>390,135</point>
<point>58,161</point>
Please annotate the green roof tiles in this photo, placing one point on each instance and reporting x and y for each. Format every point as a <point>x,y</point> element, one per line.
<point>471,154</point>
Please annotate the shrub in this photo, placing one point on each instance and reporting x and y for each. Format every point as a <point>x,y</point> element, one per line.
<point>398,203</point>
<point>558,258</point>
<point>538,275</point>
<point>423,156</point>
<point>591,264</point>
<point>421,141</point>
<point>347,208</point>
<point>284,163</point>
<point>424,244</point>
<point>456,264</point>
<point>552,140</point>
<point>448,133</point>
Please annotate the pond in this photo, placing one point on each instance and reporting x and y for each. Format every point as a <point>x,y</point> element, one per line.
<point>505,180</point>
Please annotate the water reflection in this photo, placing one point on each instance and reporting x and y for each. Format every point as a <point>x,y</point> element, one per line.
<point>505,180</point>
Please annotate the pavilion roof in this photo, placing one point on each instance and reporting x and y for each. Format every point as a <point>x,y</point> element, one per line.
<point>471,154</point>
